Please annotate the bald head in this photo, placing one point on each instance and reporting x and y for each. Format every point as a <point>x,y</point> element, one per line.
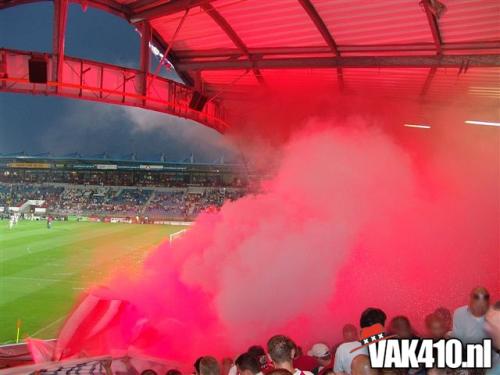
<point>350,333</point>
<point>479,301</point>
<point>361,366</point>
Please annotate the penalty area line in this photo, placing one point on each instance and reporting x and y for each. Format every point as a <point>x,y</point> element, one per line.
<point>49,325</point>
<point>172,236</point>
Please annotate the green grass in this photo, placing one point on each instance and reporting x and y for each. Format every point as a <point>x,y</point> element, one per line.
<point>43,271</point>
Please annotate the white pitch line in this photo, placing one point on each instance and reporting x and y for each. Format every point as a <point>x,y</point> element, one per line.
<point>173,234</point>
<point>37,279</point>
<point>49,325</point>
<point>181,231</point>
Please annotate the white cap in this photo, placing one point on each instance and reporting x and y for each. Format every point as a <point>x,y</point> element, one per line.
<point>319,350</point>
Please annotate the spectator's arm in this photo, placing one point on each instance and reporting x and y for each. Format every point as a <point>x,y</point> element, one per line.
<point>107,366</point>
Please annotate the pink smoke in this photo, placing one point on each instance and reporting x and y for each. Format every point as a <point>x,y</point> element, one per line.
<point>351,219</point>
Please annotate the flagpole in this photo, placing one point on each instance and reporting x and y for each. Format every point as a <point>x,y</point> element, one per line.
<point>18,325</point>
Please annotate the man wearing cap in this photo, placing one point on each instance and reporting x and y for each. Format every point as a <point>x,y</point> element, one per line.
<point>468,321</point>
<point>347,351</point>
<point>321,353</point>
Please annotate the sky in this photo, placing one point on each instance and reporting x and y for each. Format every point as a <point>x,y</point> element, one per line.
<point>38,124</point>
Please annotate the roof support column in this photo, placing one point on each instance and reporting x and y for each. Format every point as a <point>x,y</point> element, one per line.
<point>325,33</point>
<point>146,35</point>
<point>58,34</point>
<point>433,11</point>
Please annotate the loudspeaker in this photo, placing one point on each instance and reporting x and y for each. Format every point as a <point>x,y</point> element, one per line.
<point>37,67</point>
<point>198,101</point>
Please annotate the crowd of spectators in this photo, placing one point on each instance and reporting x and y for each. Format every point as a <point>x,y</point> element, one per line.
<point>142,178</point>
<point>16,195</point>
<point>101,200</point>
<point>188,203</point>
<point>198,202</point>
<point>471,324</point>
<point>166,204</point>
<point>149,203</point>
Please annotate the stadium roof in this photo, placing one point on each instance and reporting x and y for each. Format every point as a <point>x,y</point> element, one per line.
<point>403,47</point>
<point>106,158</point>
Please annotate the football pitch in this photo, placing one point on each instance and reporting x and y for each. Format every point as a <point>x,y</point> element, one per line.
<point>43,271</point>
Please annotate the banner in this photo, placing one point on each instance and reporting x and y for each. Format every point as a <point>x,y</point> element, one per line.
<point>151,167</point>
<point>120,220</point>
<point>167,222</point>
<point>107,166</point>
<point>29,165</point>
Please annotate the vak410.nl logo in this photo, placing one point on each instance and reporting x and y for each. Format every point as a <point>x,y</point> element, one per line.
<point>392,353</point>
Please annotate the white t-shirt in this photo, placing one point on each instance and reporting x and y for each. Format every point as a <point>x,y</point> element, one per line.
<point>344,357</point>
<point>300,372</point>
<point>467,327</point>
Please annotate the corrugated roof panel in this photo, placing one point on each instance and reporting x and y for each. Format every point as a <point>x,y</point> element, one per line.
<point>231,77</point>
<point>278,76</point>
<point>476,88</point>
<point>388,82</point>
<point>272,23</point>
<point>284,23</point>
<point>474,80</point>
<point>377,74</point>
<point>466,20</point>
<point>477,82</point>
<point>375,22</point>
<point>199,31</point>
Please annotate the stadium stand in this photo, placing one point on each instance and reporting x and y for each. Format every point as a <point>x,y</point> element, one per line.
<point>99,201</point>
<point>143,191</point>
<point>15,195</point>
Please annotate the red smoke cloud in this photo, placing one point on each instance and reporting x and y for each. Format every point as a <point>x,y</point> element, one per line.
<point>360,212</point>
<point>350,220</point>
